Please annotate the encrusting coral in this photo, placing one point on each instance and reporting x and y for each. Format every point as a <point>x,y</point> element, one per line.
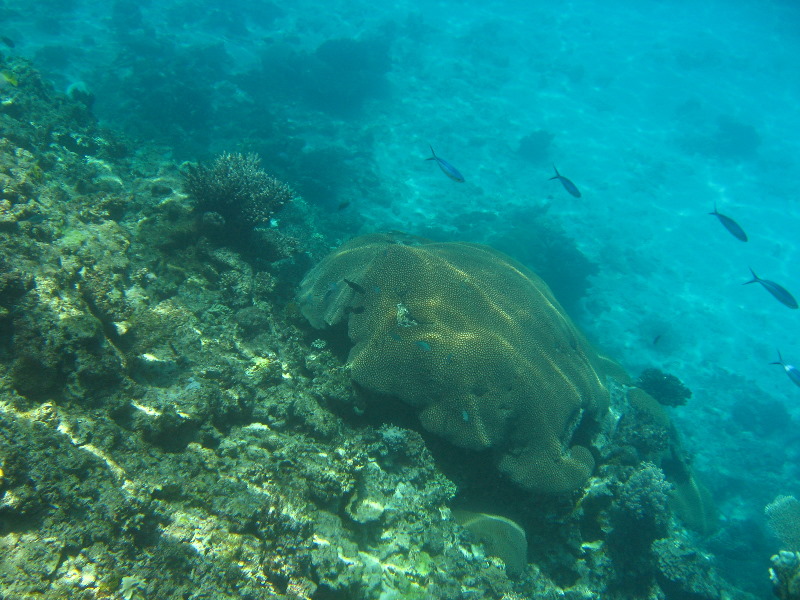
<point>475,342</point>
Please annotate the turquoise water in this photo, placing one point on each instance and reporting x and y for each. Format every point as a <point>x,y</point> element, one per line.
<point>656,111</point>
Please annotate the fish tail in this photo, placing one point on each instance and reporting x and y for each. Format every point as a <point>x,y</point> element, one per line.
<point>780,358</point>
<point>432,152</point>
<point>557,175</point>
<point>755,278</point>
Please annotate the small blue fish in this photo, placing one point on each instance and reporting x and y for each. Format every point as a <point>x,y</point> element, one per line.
<point>446,167</point>
<point>792,371</point>
<point>568,185</point>
<point>730,225</point>
<point>781,293</point>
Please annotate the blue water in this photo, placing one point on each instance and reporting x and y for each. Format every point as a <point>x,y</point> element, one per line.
<point>655,110</point>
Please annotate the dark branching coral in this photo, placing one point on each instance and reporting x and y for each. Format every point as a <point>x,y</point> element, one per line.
<point>236,187</point>
<point>475,342</point>
<point>665,388</point>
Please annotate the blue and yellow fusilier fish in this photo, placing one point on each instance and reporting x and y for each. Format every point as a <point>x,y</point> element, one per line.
<point>568,185</point>
<point>731,225</point>
<point>446,167</point>
<point>781,294</point>
<point>792,371</point>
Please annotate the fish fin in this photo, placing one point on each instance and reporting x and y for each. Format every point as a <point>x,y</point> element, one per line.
<point>558,175</point>
<point>755,278</point>
<point>432,152</point>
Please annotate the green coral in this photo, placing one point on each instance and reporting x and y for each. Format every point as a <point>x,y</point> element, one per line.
<point>475,342</point>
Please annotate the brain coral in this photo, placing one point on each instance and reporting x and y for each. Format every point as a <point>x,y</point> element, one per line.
<point>474,341</point>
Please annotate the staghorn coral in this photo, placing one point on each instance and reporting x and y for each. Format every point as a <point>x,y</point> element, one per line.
<point>475,342</point>
<point>236,187</point>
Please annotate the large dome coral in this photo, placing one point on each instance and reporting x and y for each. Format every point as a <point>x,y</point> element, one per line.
<point>474,342</point>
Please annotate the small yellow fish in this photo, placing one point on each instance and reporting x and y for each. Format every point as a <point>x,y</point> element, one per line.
<point>10,78</point>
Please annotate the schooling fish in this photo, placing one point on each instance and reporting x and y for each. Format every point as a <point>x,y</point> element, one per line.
<point>792,371</point>
<point>730,225</point>
<point>568,185</point>
<point>446,167</point>
<point>781,293</point>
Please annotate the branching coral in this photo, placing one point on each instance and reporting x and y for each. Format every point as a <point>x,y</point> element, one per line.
<point>783,516</point>
<point>236,187</point>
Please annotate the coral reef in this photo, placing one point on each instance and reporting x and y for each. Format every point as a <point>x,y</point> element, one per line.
<point>785,575</point>
<point>783,516</point>
<point>474,342</point>
<point>639,516</point>
<point>236,187</point>
<point>171,427</point>
<point>665,388</point>
<point>503,538</point>
<point>684,572</point>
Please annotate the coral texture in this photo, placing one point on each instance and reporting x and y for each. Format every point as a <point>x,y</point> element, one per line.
<point>666,388</point>
<point>236,187</point>
<point>783,516</point>
<point>785,575</point>
<point>475,342</point>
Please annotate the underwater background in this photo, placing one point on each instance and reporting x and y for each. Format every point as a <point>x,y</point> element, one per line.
<point>173,427</point>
